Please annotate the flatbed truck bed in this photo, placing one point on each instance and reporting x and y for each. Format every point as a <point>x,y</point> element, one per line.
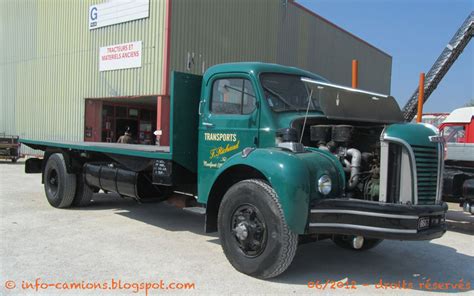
<point>146,151</point>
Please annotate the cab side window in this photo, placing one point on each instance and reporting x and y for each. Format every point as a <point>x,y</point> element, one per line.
<point>232,96</point>
<point>454,134</point>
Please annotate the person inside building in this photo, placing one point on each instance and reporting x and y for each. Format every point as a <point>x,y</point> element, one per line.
<point>126,138</point>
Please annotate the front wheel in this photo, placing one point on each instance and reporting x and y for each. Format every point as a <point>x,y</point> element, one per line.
<point>253,232</point>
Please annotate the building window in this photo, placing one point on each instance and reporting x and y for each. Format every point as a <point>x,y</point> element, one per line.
<point>232,96</point>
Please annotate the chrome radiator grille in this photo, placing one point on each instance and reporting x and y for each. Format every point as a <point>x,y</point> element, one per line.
<point>426,158</point>
<point>409,173</point>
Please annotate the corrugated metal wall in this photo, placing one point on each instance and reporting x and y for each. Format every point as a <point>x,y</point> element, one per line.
<point>50,64</point>
<point>208,32</point>
<point>271,31</point>
<point>311,43</point>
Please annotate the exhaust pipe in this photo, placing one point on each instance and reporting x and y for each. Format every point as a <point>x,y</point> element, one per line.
<point>355,167</point>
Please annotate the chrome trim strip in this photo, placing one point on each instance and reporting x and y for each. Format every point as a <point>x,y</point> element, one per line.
<point>406,178</point>
<point>373,214</point>
<point>436,139</point>
<point>439,184</point>
<point>185,193</point>
<point>412,163</point>
<point>384,152</point>
<point>363,227</point>
<point>435,214</point>
<point>383,168</point>
<point>305,79</point>
<point>439,187</point>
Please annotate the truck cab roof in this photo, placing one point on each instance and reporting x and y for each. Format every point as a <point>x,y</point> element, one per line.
<point>461,115</point>
<point>255,68</point>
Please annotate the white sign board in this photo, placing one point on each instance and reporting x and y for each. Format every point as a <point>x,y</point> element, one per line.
<point>116,12</point>
<point>120,56</point>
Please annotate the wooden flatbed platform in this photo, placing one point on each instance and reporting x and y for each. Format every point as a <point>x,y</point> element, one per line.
<point>148,151</point>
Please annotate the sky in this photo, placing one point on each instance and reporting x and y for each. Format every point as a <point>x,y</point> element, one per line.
<point>414,33</point>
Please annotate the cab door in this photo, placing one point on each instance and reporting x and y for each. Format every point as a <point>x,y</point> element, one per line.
<point>228,123</point>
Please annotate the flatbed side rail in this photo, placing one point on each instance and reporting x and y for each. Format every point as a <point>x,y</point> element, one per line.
<point>145,151</point>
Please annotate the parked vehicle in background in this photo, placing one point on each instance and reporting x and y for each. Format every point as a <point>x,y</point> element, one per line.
<point>458,132</point>
<point>9,147</point>
<point>435,119</point>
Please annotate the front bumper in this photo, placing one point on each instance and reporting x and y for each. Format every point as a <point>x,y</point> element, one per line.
<point>377,220</point>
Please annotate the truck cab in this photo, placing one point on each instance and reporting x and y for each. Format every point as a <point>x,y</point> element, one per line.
<point>458,132</point>
<point>273,156</point>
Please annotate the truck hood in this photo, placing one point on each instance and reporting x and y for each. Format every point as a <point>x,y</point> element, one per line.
<point>344,103</point>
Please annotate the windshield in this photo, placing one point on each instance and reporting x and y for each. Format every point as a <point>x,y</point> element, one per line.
<point>285,92</point>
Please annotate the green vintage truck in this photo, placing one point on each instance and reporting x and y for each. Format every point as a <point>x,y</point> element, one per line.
<point>273,156</point>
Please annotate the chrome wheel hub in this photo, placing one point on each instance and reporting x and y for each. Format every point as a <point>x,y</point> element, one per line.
<point>249,230</point>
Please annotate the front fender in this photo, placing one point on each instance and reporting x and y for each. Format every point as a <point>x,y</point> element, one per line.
<point>292,176</point>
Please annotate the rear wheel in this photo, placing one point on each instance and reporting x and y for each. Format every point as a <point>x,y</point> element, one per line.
<point>253,232</point>
<point>360,243</point>
<point>59,185</point>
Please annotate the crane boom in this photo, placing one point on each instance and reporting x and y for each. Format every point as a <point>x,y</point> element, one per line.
<point>442,65</point>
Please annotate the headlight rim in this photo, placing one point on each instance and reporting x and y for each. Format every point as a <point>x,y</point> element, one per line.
<point>324,184</point>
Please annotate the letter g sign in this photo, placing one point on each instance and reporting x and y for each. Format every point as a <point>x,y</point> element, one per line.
<point>93,13</point>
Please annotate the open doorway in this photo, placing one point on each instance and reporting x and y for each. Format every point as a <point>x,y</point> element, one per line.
<point>107,119</point>
<point>130,125</point>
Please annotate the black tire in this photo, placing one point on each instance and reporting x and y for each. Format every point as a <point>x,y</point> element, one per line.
<point>14,160</point>
<point>84,193</point>
<point>273,248</point>
<point>345,242</point>
<point>59,185</point>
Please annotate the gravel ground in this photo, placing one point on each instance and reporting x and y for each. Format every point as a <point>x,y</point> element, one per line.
<point>120,240</point>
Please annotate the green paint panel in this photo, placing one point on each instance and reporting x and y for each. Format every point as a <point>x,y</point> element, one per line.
<point>412,133</point>
<point>185,95</point>
<point>293,176</point>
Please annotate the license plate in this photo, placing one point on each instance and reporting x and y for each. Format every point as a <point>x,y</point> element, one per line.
<point>435,221</point>
<point>423,222</point>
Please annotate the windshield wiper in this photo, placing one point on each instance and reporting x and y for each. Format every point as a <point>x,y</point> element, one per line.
<point>280,97</point>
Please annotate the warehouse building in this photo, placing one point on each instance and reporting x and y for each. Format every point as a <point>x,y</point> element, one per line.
<point>86,70</point>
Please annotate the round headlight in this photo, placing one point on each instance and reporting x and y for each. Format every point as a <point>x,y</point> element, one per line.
<point>324,184</point>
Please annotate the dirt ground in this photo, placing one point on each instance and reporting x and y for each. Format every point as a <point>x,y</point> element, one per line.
<point>130,247</point>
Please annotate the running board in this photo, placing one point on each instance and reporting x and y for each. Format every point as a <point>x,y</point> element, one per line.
<point>196,210</point>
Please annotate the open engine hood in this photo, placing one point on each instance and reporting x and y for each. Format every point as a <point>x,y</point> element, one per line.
<point>340,102</point>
